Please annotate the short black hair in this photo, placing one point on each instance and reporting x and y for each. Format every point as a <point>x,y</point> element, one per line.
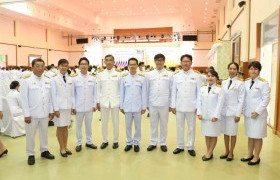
<point>83,59</point>
<point>236,65</point>
<point>37,60</point>
<point>141,63</point>
<point>62,61</point>
<point>187,56</point>
<point>132,59</point>
<point>109,55</point>
<point>212,68</point>
<point>214,73</point>
<point>48,67</point>
<point>158,56</point>
<point>14,84</point>
<point>255,64</point>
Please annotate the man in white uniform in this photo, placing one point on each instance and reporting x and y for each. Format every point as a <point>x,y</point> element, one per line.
<point>185,89</point>
<point>37,107</point>
<point>85,103</point>
<point>108,100</point>
<point>159,83</point>
<point>133,103</point>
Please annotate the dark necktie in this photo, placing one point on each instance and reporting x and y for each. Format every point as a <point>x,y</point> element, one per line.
<point>209,88</point>
<point>64,79</point>
<point>252,82</point>
<point>229,83</point>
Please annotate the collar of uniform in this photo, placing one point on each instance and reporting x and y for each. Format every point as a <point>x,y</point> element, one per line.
<point>257,78</point>
<point>61,75</point>
<point>186,72</point>
<point>213,85</point>
<point>110,71</point>
<point>133,75</point>
<point>160,71</point>
<point>84,75</point>
<point>233,79</point>
<point>37,77</point>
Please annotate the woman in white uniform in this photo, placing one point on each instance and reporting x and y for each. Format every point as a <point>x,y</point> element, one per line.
<point>13,98</point>
<point>257,96</point>
<point>3,149</point>
<point>62,97</point>
<point>232,109</point>
<point>209,106</point>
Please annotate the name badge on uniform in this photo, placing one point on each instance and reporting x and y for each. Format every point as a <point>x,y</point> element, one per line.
<point>47,83</point>
<point>33,83</point>
<point>69,83</point>
<point>115,76</point>
<point>138,81</point>
<point>165,75</point>
<point>90,81</point>
<point>257,88</point>
<point>214,93</point>
<point>192,78</point>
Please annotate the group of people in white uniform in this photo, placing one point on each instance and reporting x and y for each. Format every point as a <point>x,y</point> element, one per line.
<point>218,107</point>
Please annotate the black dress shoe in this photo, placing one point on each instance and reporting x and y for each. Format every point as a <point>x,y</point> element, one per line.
<point>223,156</point>
<point>127,148</point>
<point>68,152</point>
<point>163,148</point>
<point>192,152</point>
<point>247,159</point>
<point>178,150</point>
<point>4,153</point>
<point>47,155</point>
<point>230,158</point>
<point>104,145</point>
<point>250,163</point>
<point>151,147</point>
<point>92,146</point>
<point>78,148</point>
<point>31,160</point>
<point>136,148</point>
<point>115,145</point>
<point>204,158</point>
<point>63,154</point>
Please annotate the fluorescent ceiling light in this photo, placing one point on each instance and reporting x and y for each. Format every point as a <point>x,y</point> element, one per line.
<point>14,1</point>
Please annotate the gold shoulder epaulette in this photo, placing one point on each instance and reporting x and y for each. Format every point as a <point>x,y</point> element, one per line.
<point>74,75</point>
<point>218,85</point>
<point>197,71</point>
<point>92,74</point>
<point>224,79</point>
<point>240,79</point>
<point>125,74</point>
<point>247,79</point>
<point>54,75</point>
<point>140,74</point>
<point>176,72</point>
<point>46,76</point>
<point>26,76</point>
<point>118,70</point>
<point>262,79</point>
<point>204,85</point>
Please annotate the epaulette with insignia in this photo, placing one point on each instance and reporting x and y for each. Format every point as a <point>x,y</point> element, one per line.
<point>247,79</point>
<point>26,76</point>
<point>54,75</point>
<point>73,75</point>
<point>118,70</point>
<point>46,76</point>
<point>176,72</point>
<point>218,85</point>
<point>92,74</point>
<point>140,74</point>
<point>125,74</point>
<point>204,85</point>
<point>240,79</point>
<point>224,79</point>
<point>197,71</point>
<point>262,79</point>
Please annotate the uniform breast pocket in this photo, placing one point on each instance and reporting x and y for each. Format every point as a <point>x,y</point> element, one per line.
<point>34,88</point>
<point>47,86</point>
<point>90,83</point>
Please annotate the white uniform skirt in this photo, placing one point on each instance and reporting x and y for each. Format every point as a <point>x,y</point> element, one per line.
<point>211,129</point>
<point>229,126</point>
<point>64,119</point>
<point>256,128</point>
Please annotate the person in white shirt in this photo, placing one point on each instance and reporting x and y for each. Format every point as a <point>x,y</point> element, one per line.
<point>257,97</point>
<point>35,94</point>
<point>232,109</point>
<point>133,103</point>
<point>209,106</point>
<point>3,149</point>
<point>159,84</point>
<point>185,89</point>
<point>108,100</point>
<point>62,98</point>
<point>85,103</point>
<point>13,98</point>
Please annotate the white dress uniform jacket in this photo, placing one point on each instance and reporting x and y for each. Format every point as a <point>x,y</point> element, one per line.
<point>133,90</point>
<point>185,90</point>
<point>159,84</point>
<point>85,92</point>
<point>14,102</point>
<point>35,93</point>
<point>108,88</point>
<point>234,97</point>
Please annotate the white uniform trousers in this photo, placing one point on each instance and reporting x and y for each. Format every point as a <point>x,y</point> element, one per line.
<point>42,125</point>
<point>181,117</point>
<point>104,123</point>
<point>131,117</point>
<point>80,116</point>
<point>158,114</point>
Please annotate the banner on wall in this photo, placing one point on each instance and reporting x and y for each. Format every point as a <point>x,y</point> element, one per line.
<point>3,60</point>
